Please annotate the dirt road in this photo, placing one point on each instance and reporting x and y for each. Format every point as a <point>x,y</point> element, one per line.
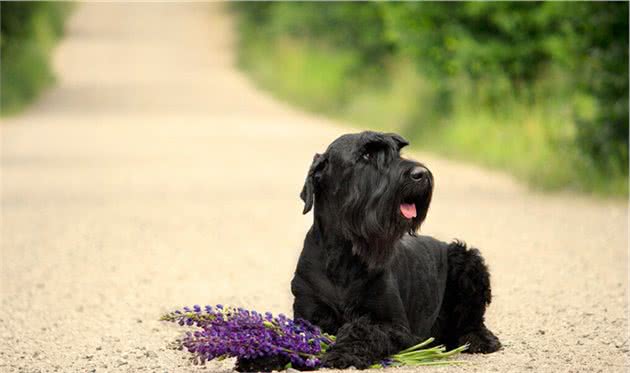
<point>155,175</point>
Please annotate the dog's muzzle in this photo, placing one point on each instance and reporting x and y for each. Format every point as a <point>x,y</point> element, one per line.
<point>421,176</point>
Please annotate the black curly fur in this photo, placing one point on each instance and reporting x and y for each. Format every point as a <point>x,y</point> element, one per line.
<point>366,276</point>
<point>466,297</point>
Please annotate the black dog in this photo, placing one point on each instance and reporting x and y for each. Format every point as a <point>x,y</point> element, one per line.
<point>365,276</point>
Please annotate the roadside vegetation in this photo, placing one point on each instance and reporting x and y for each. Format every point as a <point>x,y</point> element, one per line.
<point>28,33</point>
<point>537,89</point>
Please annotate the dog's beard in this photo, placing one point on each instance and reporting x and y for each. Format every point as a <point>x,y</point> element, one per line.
<point>373,220</point>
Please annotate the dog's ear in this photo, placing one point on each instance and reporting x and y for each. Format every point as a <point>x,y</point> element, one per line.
<point>314,173</point>
<point>399,140</point>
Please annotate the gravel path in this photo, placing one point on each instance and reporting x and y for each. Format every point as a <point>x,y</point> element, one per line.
<point>155,175</point>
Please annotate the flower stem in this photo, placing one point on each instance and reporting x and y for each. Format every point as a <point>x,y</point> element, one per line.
<point>419,345</point>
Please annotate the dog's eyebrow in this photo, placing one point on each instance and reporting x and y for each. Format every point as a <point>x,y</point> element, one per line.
<point>377,143</point>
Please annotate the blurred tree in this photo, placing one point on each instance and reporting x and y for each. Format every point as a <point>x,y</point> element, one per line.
<point>28,31</point>
<point>597,35</point>
<point>489,57</point>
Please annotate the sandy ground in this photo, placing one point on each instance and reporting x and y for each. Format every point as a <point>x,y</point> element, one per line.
<point>155,176</point>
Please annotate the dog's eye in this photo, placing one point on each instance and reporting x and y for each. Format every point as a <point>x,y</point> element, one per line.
<point>366,156</point>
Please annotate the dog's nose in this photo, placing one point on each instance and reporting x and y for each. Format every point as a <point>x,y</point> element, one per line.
<point>419,173</point>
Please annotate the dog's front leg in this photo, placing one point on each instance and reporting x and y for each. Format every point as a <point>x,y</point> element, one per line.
<point>361,343</point>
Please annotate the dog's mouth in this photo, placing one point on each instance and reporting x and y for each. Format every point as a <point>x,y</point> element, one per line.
<point>408,210</point>
<point>414,206</point>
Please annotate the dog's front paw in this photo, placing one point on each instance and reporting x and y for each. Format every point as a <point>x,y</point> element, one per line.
<point>480,341</point>
<point>341,360</point>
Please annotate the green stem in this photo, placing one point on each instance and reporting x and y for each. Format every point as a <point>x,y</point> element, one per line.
<point>449,362</point>
<point>303,354</point>
<point>419,345</point>
<point>421,352</point>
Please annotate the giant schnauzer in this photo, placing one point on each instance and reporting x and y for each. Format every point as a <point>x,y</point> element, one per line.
<point>364,274</point>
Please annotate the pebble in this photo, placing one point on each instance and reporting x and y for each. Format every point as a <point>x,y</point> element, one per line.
<point>151,354</point>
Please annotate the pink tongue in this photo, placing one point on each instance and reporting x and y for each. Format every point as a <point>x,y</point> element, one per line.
<point>408,210</point>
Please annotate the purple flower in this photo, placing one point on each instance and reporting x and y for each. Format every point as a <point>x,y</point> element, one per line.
<point>236,332</point>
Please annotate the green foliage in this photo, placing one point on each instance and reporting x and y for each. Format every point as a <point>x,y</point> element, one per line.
<point>319,73</point>
<point>540,89</point>
<point>600,35</point>
<point>28,32</point>
<point>479,39</point>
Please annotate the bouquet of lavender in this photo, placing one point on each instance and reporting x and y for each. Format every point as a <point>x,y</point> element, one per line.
<point>276,342</point>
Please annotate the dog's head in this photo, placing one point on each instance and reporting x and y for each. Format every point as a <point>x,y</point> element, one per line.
<point>373,195</point>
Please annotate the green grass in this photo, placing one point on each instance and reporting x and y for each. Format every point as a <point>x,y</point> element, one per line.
<point>310,80</point>
<point>534,145</point>
<point>532,138</point>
